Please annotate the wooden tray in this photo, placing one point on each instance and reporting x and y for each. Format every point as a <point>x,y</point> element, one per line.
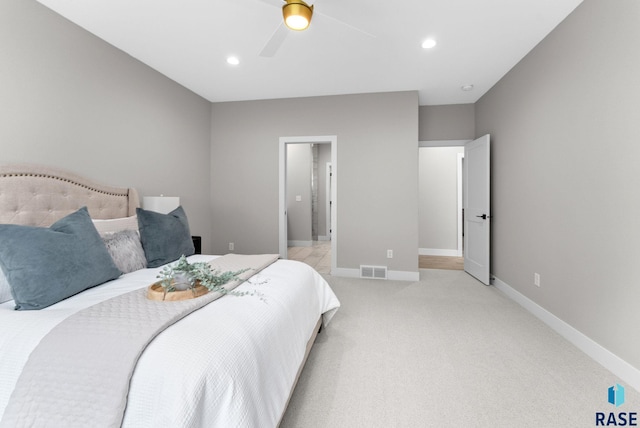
<point>156,292</point>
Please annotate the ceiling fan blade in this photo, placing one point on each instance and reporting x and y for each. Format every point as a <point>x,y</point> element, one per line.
<point>360,30</point>
<point>276,3</point>
<point>273,44</point>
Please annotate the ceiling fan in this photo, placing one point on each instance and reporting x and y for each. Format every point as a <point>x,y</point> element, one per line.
<point>297,16</point>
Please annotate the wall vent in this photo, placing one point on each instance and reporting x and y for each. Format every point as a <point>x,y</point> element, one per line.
<point>376,272</point>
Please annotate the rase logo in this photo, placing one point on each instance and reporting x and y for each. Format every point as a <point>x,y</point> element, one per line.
<point>616,395</point>
<point>620,419</point>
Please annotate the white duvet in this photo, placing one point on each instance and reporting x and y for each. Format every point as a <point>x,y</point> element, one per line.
<point>229,364</point>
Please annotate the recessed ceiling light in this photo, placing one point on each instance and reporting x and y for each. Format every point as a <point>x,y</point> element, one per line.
<point>466,87</point>
<point>233,60</point>
<point>428,44</point>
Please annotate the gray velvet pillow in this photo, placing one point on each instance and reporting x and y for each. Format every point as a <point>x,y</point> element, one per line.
<point>165,237</point>
<point>46,265</point>
<point>125,250</point>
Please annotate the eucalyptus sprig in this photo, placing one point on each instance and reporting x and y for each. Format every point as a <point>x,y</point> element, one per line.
<point>200,273</point>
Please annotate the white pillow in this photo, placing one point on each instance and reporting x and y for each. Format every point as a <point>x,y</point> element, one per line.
<point>5,290</point>
<point>116,224</point>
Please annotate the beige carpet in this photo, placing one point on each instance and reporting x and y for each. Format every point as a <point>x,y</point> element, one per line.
<point>444,352</point>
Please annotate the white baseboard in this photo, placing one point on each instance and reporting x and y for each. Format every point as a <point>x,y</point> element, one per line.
<point>324,238</point>
<point>300,243</point>
<point>395,275</point>
<point>439,252</point>
<point>613,363</point>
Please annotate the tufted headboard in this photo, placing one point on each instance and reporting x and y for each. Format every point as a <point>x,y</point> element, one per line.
<point>37,195</point>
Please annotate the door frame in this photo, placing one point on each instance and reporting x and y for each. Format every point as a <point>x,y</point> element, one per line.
<point>460,174</point>
<point>282,190</point>
<point>328,202</point>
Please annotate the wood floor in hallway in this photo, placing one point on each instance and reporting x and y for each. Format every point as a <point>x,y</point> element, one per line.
<point>441,262</point>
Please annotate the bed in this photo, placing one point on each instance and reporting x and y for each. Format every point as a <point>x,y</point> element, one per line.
<point>233,361</point>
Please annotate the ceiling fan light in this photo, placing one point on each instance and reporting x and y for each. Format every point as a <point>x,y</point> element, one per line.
<point>297,14</point>
<point>296,22</point>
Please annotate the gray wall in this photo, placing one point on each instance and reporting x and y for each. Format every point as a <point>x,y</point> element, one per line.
<point>299,161</point>
<point>438,205</point>
<point>70,100</point>
<point>564,128</point>
<point>447,122</point>
<point>377,173</point>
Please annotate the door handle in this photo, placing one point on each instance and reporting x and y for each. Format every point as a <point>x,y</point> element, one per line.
<point>483,216</point>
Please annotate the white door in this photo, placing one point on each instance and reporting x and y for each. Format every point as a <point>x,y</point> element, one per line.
<point>477,215</point>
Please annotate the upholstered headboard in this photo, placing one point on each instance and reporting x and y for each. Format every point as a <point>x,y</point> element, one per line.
<point>37,195</point>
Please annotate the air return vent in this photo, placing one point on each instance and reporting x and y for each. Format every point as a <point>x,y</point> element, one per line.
<point>377,272</point>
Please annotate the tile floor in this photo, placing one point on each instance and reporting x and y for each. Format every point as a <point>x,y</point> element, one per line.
<point>318,256</point>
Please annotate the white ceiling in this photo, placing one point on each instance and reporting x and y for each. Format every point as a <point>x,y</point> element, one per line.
<point>479,41</point>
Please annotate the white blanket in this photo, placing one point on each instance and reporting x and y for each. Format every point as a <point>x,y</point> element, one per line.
<point>231,363</point>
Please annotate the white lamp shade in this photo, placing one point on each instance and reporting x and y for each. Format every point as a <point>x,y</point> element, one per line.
<point>160,204</point>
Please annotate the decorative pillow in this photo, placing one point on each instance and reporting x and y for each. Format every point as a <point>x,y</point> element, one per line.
<point>165,237</point>
<point>46,265</point>
<point>125,250</point>
<point>5,290</point>
<point>115,224</point>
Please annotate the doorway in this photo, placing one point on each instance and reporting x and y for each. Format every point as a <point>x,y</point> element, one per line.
<point>285,144</point>
<point>440,204</point>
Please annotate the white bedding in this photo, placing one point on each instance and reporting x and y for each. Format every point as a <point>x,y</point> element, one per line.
<point>230,364</point>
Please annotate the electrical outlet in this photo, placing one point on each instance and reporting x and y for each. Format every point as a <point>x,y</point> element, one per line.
<point>231,246</point>
<point>389,254</point>
<point>536,279</point>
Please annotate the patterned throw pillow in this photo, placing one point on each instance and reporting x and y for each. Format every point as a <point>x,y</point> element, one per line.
<point>125,250</point>
<point>5,290</point>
